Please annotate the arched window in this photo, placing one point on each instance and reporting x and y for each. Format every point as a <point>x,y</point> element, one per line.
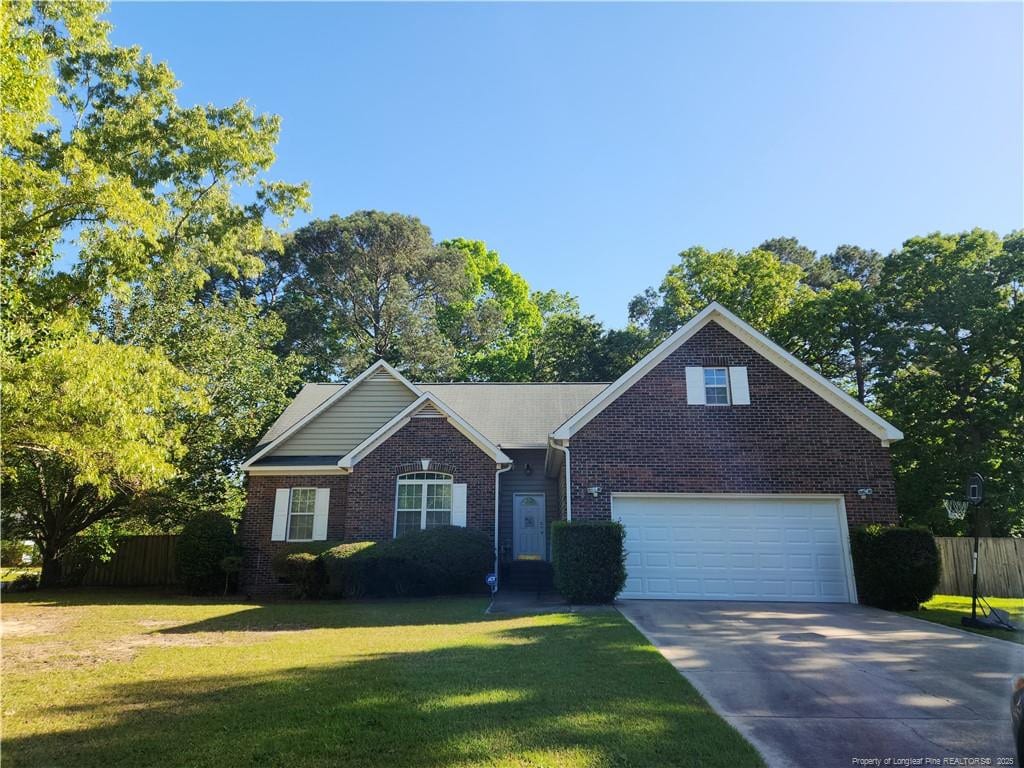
<point>422,500</point>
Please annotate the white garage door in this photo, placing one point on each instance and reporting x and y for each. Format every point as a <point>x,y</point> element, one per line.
<point>756,548</point>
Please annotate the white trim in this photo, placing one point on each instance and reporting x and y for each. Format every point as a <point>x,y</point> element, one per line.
<point>756,341</point>
<point>400,419</point>
<point>838,498</point>
<point>379,365</point>
<point>320,469</point>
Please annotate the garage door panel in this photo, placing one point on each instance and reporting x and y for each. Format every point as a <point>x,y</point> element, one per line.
<point>658,560</point>
<point>734,549</point>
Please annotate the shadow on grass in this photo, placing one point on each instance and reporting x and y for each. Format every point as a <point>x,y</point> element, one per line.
<point>239,614</point>
<point>338,614</point>
<point>586,691</point>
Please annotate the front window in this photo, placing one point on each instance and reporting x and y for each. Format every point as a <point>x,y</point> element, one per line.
<point>423,500</point>
<point>301,509</point>
<point>716,386</point>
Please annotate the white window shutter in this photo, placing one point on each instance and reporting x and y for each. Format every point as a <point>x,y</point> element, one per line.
<point>459,504</point>
<point>695,394</point>
<point>738,383</point>
<point>280,527</point>
<point>323,499</point>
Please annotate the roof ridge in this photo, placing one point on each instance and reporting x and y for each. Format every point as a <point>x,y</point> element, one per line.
<point>514,383</point>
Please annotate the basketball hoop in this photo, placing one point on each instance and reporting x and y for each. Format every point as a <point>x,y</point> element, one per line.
<point>955,509</point>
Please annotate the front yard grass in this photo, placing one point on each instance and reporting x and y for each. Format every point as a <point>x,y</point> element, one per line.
<point>948,609</point>
<point>97,678</point>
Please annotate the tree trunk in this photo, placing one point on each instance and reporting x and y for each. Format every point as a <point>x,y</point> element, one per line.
<point>51,572</point>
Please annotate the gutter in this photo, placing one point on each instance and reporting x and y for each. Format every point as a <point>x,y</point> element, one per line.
<point>497,504</point>
<point>568,475</point>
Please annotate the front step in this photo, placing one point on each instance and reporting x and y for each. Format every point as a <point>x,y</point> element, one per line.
<point>527,576</point>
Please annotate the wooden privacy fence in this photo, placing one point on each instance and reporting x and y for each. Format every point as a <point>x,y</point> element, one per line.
<point>138,561</point>
<point>1000,569</point>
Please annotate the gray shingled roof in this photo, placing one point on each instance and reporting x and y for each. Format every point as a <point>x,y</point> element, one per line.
<point>515,415</point>
<point>508,415</point>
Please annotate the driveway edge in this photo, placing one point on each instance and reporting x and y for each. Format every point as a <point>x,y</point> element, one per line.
<point>771,757</point>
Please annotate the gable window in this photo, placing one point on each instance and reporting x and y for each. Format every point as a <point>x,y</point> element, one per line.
<point>301,511</point>
<point>716,386</point>
<point>422,500</point>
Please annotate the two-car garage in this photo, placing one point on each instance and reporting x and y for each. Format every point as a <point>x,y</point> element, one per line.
<point>737,547</point>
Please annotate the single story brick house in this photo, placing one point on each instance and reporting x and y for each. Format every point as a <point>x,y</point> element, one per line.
<point>735,468</point>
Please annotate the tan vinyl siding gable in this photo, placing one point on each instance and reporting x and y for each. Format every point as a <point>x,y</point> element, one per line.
<point>356,416</point>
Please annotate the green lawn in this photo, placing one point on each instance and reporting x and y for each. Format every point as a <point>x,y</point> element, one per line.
<point>136,679</point>
<point>12,572</point>
<point>948,609</point>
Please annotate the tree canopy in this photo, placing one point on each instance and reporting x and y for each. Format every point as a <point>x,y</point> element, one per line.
<point>102,166</point>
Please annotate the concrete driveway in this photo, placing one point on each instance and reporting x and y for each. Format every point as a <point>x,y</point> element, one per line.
<point>841,685</point>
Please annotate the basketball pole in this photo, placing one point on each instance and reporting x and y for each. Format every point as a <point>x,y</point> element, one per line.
<point>974,566</point>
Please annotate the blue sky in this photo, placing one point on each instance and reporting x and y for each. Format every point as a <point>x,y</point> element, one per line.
<point>589,144</point>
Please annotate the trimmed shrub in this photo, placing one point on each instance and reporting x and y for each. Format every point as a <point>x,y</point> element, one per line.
<point>300,565</point>
<point>446,561</point>
<point>588,560</point>
<point>896,568</point>
<point>348,574</point>
<point>205,541</point>
<point>439,561</point>
<point>23,582</point>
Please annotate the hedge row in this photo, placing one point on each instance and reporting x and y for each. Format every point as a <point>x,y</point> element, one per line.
<point>439,561</point>
<point>896,568</point>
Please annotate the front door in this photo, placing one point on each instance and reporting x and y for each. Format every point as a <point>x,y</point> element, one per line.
<point>529,526</point>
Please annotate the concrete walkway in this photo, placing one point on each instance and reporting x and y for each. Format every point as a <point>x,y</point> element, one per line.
<point>513,602</point>
<point>841,685</point>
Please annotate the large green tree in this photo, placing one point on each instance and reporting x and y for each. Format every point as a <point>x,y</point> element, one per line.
<point>818,272</point>
<point>756,285</point>
<point>88,426</point>
<point>368,286</point>
<point>950,372</point>
<point>102,166</point>
<point>836,329</point>
<point>227,347</point>
<point>106,166</point>
<point>494,326</point>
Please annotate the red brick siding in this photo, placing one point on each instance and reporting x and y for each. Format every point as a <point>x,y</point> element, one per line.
<point>788,440</point>
<point>259,519</point>
<point>371,490</point>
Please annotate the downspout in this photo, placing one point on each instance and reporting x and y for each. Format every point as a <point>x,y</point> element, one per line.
<point>568,476</point>
<point>497,505</point>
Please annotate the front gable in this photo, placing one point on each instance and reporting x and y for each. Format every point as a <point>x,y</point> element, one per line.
<point>345,419</point>
<point>426,407</point>
<point>737,339</point>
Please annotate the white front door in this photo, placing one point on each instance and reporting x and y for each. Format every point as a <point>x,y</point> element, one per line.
<point>735,548</point>
<point>529,526</point>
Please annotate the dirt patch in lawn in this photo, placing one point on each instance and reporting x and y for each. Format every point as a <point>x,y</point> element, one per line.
<point>24,656</point>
